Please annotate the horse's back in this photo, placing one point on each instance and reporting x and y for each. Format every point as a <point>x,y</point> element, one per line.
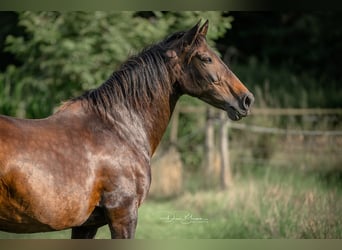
<point>16,137</point>
<point>9,140</point>
<point>7,127</point>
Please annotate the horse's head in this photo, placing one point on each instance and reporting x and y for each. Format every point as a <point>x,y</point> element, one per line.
<point>201,73</point>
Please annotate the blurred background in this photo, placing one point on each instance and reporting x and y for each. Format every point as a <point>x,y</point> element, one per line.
<point>274,174</point>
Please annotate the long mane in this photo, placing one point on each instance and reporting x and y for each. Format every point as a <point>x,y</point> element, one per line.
<point>137,82</point>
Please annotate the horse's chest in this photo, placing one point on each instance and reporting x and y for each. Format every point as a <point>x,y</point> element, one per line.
<point>127,176</point>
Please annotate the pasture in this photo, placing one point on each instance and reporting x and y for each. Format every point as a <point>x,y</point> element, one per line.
<point>268,204</point>
<point>284,185</point>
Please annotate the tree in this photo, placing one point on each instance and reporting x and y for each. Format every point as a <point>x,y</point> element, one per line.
<point>63,54</point>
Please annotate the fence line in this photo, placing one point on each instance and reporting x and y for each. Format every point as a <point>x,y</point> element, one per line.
<point>277,112</point>
<point>259,129</point>
<point>274,111</point>
<point>293,111</point>
<point>216,168</point>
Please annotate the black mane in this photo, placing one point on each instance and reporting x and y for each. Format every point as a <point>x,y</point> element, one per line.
<point>138,81</point>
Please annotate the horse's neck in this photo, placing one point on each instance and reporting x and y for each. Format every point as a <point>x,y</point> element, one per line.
<point>157,118</point>
<point>146,127</point>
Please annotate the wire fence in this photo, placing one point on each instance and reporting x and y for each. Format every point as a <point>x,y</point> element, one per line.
<point>264,139</point>
<point>280,131</point>
<point>251,143</point>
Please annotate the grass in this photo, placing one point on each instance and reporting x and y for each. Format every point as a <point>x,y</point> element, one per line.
<point>269,203</point>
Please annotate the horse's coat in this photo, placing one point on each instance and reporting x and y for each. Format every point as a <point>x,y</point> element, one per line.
<point>88,164</point>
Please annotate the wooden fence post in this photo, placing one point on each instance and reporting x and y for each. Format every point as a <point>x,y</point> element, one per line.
<point>226,179</point>
<point>174,127</point>
<point>209,147</point>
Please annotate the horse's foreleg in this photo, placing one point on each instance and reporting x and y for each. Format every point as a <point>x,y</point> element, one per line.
<point>88,229</point>
<point>122,220</point>
<point>83,232</point>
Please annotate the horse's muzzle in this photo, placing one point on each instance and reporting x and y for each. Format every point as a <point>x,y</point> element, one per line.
<point>235,113</point>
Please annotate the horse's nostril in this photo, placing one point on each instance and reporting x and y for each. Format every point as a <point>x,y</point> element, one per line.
<point>247,101</point>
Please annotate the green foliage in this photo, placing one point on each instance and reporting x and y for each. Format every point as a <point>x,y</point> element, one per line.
<point>64,54</point>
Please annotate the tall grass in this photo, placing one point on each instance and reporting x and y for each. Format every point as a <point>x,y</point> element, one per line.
<point>275,205</point>
<point>267,203</point>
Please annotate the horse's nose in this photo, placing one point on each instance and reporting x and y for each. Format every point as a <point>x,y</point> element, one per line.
<point>247,101</point>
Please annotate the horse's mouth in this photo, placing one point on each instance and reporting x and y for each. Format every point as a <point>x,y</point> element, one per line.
<point>234,114</point>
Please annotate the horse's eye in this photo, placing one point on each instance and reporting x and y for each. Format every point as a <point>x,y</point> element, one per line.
<point>206,59</point>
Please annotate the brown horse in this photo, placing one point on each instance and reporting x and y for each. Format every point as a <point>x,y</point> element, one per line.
<point>88,164</point>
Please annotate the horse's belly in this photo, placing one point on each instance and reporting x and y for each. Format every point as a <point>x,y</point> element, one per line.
<point>32,206</point>
<point>17,227</point>
<point>44,181</point>
<point>30,218</point>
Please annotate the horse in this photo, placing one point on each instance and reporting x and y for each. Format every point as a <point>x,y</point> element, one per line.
<point>88,164</point>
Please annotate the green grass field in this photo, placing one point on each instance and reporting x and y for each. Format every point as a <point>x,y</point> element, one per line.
<point>269,203</point>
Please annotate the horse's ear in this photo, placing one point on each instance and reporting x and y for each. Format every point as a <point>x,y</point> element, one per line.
<point>191,35</point>
<point>204,29</point>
